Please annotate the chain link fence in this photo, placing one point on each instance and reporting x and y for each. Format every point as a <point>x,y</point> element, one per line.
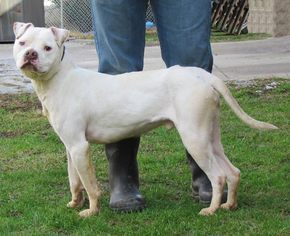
<point>74,15</point>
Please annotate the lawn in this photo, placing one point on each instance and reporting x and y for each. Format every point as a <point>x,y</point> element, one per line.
<point>35,190</point>
<point>216,36</point>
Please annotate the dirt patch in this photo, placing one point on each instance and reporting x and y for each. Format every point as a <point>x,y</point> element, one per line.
<point>11,134</point>
<point>19,102</point>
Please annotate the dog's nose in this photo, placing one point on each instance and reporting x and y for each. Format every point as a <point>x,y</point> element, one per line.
<point>31,55</point>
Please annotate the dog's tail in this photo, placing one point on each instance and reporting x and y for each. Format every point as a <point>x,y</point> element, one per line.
<point>220,86</point>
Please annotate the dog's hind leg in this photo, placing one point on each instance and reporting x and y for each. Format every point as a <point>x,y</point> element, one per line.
<point>194,123</point>
<point>76,186</point>
<point>198,145</point>
<point>84,166</point>
<point>232,173</point>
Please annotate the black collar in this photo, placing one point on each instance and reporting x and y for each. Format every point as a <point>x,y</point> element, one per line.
<point>63,51</point>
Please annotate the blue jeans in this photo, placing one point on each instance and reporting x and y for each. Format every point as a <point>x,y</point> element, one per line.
<point>183,29</point>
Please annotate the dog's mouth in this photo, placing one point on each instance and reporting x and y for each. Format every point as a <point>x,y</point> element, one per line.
<point>30,66</point>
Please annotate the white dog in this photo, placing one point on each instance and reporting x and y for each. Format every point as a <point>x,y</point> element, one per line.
<point>85,107</point>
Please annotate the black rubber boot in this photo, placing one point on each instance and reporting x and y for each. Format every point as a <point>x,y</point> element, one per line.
<point>123,175</point>
<point>201,186</point>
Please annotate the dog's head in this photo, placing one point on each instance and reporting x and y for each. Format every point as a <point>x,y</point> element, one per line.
<point>38,51</point>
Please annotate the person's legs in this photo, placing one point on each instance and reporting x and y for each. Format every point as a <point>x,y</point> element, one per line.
<point>119,27</point>
<point>120,39</point>
<point>184,31</point>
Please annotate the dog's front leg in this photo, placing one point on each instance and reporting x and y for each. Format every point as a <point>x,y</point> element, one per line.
<point>80,158</point>
<point>76,186</point>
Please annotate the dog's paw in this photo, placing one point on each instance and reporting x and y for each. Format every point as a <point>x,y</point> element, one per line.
<point>229,206</point>
<point>76,204</point>
<point>207,211</point>
<point>88,212</point>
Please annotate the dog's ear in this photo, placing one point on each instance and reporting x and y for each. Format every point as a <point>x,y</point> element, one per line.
<point>60,35</point>
<point>20,28</point>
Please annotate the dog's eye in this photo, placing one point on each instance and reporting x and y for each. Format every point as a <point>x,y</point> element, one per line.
<point>21,43</point>
<point>47,48</point>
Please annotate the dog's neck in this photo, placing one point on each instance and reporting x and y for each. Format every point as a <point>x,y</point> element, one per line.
<point>51,82</point>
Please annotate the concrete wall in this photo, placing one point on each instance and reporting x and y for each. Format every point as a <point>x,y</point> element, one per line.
<point>269,16</point>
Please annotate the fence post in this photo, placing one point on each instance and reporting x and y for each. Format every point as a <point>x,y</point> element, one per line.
<point>61,14</point>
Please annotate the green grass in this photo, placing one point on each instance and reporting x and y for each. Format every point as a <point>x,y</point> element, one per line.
<point>34,181</point>
<point>216,36</point>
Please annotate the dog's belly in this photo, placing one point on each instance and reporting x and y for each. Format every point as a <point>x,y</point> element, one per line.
<point>105,135</point>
